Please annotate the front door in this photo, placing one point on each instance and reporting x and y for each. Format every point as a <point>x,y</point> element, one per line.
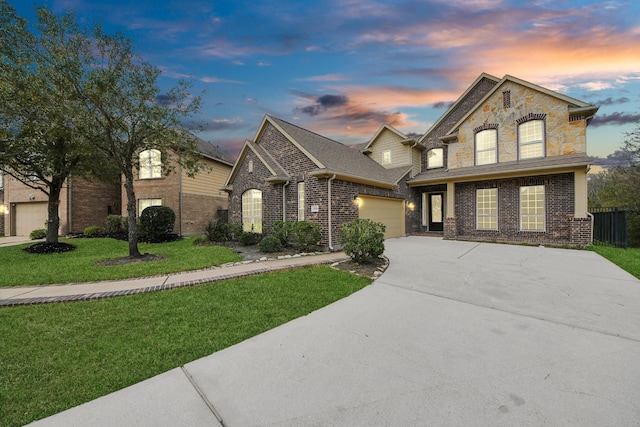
<point>435,212</point>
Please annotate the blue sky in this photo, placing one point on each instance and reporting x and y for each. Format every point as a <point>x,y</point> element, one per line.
<point>342,68</point>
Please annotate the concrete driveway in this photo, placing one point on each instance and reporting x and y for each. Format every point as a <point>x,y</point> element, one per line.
<point>454,333</point>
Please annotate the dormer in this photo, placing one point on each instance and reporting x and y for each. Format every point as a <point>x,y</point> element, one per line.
<point>391,148</point>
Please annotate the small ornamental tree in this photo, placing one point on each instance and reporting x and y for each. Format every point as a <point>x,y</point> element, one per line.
<point>362,239</point>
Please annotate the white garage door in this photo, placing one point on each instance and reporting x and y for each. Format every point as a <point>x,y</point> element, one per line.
<point>29,217</point>
<point>390,212</point>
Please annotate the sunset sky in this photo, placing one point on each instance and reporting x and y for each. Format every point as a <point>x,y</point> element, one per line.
<point>342,68</point>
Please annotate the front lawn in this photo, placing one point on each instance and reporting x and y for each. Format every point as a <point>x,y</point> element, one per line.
<point>57,356</point>
<point>21,268</point>
<point>628,259</point>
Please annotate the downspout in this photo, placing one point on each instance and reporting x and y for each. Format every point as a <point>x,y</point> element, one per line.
<point>590,215</point>
<point>180,201</point>
<point>69,205</point>
<point>329,209</point>
<point>284,200</point>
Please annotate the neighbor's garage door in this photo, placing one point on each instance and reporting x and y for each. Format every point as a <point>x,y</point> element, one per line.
<point>390,212</point>
<point>29,217</point>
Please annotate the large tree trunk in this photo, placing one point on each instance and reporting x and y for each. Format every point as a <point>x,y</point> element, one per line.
<point>131,215</point>
<point>53,218</point>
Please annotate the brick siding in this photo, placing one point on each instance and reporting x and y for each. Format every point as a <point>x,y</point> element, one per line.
<point>91,202</point>
<point>561,225</point>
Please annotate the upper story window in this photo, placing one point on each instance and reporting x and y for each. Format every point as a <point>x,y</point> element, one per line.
<point>250,166</point>
<point>531,139</point>
<point>487,147</point>
<point>386,157</point>
<point>435,158</point>
<point>150,164</point>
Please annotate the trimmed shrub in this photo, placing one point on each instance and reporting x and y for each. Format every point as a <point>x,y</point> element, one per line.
<point>249,238</point>
<point>270,244</point>
<point>234,231</point>
<point>283,230</point>
<point>307,234</point>
<point>39,233</point>
<point>362,239</point>
<point>93,231</point>
<point>116,224</point>
<point>156,222</point>
<point>217,231</point>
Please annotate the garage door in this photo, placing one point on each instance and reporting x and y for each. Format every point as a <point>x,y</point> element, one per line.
<point>390,212</point>
<point>29,217</point>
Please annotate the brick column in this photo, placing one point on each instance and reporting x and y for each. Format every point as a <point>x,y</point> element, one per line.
<point>581,231</point>
<point>450,228</point>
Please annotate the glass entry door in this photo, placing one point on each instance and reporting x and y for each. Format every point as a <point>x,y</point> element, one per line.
<point>435,212</point>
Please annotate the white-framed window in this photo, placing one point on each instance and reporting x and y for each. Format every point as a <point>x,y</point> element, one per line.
<point>145,203</point>
<point>435,158</point>
<point>386,157</point>
<point>531,139</point>
<point>250,166</point>
<point>252,211</point>
<point>487,209</point>
<point>532,209</point>
<point>1,179</point>
<point>301,201</point>
<point>150,164</point>
<point>487,147</point>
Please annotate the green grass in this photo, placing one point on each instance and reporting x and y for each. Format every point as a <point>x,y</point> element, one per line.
<point>628,259</point>
<point>57,356</point>
<point>21,268</point>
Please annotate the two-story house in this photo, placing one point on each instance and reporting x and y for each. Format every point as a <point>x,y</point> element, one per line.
<point>506,162</point>
<point>514,167</point>
<point>194,199</point>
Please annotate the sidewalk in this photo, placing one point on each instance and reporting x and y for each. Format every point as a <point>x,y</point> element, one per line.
<point>27,295</point>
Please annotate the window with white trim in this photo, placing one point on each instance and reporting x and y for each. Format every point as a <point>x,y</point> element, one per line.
<point>386,157</point>
<point>531,139</point>
<point>486,147</point>
<point>301,201</point>
<point>435,158</point>
<point>145,203</point>
<point>487,209</point>
<point>532,209</point>
<point>252,211</point>
<point>150,164</point>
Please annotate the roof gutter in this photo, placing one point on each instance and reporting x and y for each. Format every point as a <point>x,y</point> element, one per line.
<point>327,173</point>
<point>329,210</point>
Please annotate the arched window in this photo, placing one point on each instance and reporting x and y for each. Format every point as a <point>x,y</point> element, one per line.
<point>150,164</point>
<point>487,147</point>
<point>252,211</point>
<point>435,158</point>
<point>531,139</point>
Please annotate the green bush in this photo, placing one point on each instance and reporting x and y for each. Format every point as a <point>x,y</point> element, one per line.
<point>249,238</point>
<point>217,231</point>
<point>234,231</point>
<point>156,222</point>
<point>93,231</point>
<point>270,244</point>
<point>40,233</point>
<point>283,231</point>
<point>307,235</point>
<point>362,239</point>
<point>115,224</point>
<point>200,240</point>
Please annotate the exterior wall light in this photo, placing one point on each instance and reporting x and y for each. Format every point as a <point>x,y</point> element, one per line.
<point>411,206</point>
<point>357,201</point>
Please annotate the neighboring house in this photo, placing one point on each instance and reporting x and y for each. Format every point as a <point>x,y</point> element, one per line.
<point>506,162</point>
<point>514,166</point>
<point>195,200</point>
<point>82,203</point>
